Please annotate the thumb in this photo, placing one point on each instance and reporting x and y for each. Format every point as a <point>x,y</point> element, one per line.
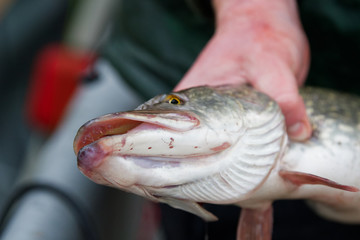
<point>280,84</point>
<point>297,122</point>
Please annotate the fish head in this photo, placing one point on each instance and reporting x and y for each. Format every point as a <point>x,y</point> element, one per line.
<point>172,149</point>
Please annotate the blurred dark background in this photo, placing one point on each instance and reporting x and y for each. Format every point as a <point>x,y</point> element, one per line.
<point>25,28</point>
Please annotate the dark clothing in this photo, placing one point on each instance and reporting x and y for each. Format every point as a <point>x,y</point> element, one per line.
<point>333,30</point>
<point>155,42</point>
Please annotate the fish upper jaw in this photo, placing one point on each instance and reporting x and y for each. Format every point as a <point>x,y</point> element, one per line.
<point>146,142</point>
<point>120,123</point>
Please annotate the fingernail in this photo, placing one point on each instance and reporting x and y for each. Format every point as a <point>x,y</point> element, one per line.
<point>299,131</point>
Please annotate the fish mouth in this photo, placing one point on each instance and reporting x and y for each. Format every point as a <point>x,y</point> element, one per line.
<point>122,122</point>
<point>121,147</point>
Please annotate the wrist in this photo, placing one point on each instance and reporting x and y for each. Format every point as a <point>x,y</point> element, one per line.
<point>263,27</point>
<point>230,12</point>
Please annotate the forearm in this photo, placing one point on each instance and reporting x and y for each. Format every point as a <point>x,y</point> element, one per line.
<point>228,10</point>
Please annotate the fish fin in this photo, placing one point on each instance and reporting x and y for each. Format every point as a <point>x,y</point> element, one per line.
<point>255,224</point>
<point>300,178</point>
<point>191,207</point>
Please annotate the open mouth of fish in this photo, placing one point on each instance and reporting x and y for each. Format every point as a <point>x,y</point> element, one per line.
<point>123,122</point>
<point>148,138</point>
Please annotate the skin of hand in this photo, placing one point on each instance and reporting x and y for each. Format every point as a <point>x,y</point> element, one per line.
<point>262,43</point>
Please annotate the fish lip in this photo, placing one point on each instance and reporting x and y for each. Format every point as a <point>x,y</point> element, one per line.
<point>122,122</point>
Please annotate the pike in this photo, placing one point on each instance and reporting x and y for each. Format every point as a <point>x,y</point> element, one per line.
<point>228,145</point>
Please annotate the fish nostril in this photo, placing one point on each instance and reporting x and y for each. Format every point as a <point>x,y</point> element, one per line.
<point>90,157</point>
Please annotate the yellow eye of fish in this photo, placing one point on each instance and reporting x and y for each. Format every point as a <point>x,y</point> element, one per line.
<point>172,99</point>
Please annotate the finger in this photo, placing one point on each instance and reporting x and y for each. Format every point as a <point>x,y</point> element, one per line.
<point>298,125</point>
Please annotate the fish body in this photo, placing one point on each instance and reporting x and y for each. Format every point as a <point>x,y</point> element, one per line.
<point>333,152</point>
<point>228,145</point>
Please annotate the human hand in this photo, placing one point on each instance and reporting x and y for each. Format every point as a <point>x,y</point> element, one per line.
<point>259,42</point>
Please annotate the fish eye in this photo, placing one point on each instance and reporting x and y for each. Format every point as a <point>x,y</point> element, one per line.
<point>172,99</point>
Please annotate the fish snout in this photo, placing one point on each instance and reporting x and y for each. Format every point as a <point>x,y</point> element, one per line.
<point>90,157</point>
<point>97,162</point>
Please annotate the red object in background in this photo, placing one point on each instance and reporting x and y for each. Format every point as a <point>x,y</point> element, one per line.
<point>57,73</point>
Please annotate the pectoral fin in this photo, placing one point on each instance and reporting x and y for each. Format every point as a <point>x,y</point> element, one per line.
<point>255,224</point>
<point>191,207</point>
<point>300,178</point>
